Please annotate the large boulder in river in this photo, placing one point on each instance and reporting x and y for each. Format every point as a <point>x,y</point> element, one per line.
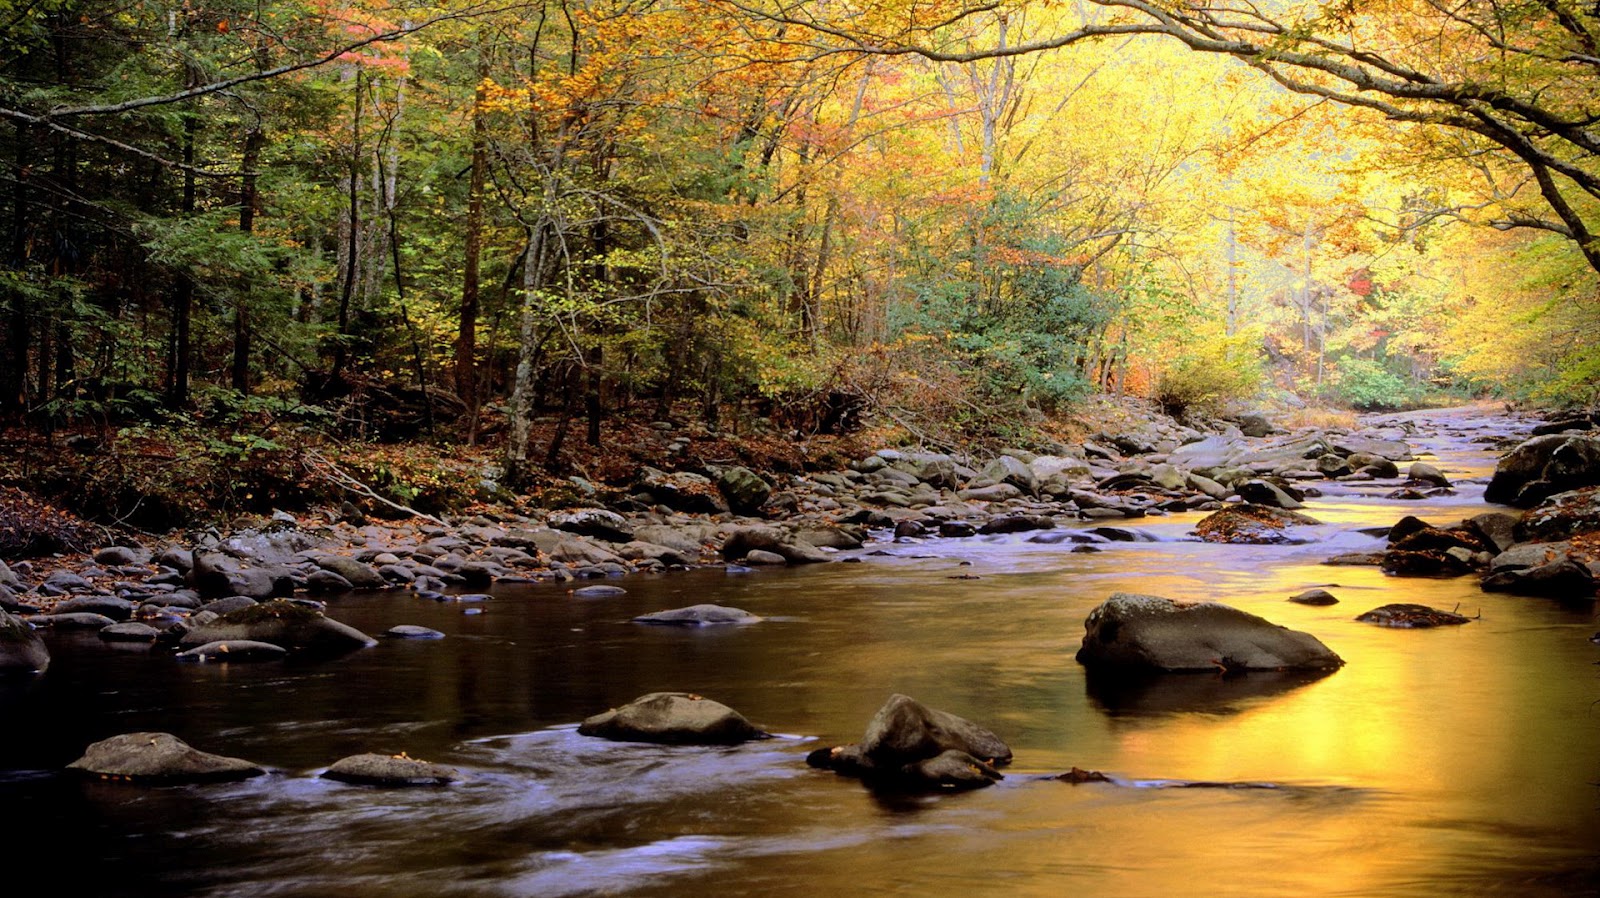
<point>1252,524</point>
<point>908,745</point>
<point>297,628</point>
<point>21,649</point>
<point>1141,632</point>
<point>1262,492</point>
<point>216,575</point>
<point>159,757</point>
<point>674,718</point>
<point>1561,517</point>
<point>1542,467</point>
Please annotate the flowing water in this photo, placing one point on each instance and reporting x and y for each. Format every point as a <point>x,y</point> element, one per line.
<point>1453,761</point>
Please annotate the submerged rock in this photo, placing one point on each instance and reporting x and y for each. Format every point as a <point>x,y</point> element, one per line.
<point>412,631</point>
<point>390,771</point>
<point>698,616</point>
<point>1314,597</point>
<point>1407,616</point>
<point>676,718</point>
<point>159,757</point>
<point>234,650</point>
<point>1143,632</point>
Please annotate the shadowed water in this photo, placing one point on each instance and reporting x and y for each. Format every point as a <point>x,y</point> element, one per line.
<point>1454,761</point>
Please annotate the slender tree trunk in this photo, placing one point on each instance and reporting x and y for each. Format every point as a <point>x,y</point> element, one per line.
<point>353,238</point>
<point>14,374</point>
<point>516,467</point>
<point>183,294</point>
<point>248,201</point>
<point>467,330</point>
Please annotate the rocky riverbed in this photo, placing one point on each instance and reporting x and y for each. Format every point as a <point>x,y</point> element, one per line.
<point>1252,475</point>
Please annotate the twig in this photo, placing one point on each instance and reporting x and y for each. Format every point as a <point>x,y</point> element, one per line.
<point>338,477</point>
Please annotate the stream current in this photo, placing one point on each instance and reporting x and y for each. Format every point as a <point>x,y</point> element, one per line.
<point>1461,760</point>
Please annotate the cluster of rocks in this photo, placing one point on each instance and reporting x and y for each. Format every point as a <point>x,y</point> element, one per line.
<point>164,759</point>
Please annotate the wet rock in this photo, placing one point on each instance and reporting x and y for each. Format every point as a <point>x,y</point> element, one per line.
<point>1017,523</point>
<point>598,592</point>
<point>909,529</point>
<point>328,581</point>
<point>596,522</point>
<point>76,620</point>
<point>8,577</point>
<point>1011,470</point>
<point>742,540</point>
<point>21,649</point>
<point>1561,517</point>
<point>291,626</point>
<point>1261,492</point>
<point>229,605</point>
<point>1543,467</point>
<point>1422,472</point>
<point>1393,450</point>
<point>578,551</point>
<point>389,771</point>
<point>1495,528</point>
<point>1131,631</point>
<point>1332,465</point>
<point>159,757</point>
<point>1423,563</point>
<point>1562,579</point>
<point>1563,425</point>
<point>129,631</point>
<point>110,606</point>
<point>1314,597</point>
<point>1409,616</point>
<point>699,616</point>
<point>908,745</point>
<point>67,581</point>
<point>1254,524</point>
<point>933,468</point>
<point>412,631</point>
<point>1435,539</point>
<point>216,575</point>
<point>360,576</point>
<point>1078,775</point>
<point>832,537</point>
<point>763,558</point>
<point>957,529</point>
<point>233,650</point>
<point>675,718</point>
<point>1356,559</point>
<point>1380,468</point>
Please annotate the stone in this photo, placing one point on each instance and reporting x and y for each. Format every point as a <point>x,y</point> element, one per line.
<point>359,575</point>
<point>110,606</point>
<point>1261,492</point>
<point>1017,523</point>
<point>1422,472</point>
<point>389,771</point>
<point>1394,450</point>
<point>674,718</point>
<point>579,551</point>
<point>1252,524</point>
<point>291,626</point>
<point>22,651</point>
<point>129,631</point>
<point>1407,616</point>
<point>909,746</point>
<point>1562,579</point>
<point>1008,469</point>
<point>683,491</point>
<point>1494,527</point>
<point>75,620</point>
<point>598,592</point>
<point>1561,517</point>
<point>699,616</point>
<point>229,605</point>
<point>233,650</point>
<point>1255,424</point>
<point>764,558</point>
<point>596,522</point>
<point>744,489</point>
<point>327,581</point>
<point>159,757</point>
<point>1131,631</point>
<point>1314,597</point>
<point>117,556</point>
<point>996,492</point>
<point>412,631</point>
<point>1542,467</point>
<point>741,540</point>
<point>216,575</point>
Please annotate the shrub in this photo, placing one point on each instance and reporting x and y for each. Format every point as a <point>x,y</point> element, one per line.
<point>1367,385</point>
<point>1208,376</point>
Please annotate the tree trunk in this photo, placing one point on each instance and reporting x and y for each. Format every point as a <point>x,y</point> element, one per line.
<point>516,466</point>
<point>353,238</point>
<point>248,202</point>
<point>14,372</point>
<point>467,331</point>
<point>183,295</point>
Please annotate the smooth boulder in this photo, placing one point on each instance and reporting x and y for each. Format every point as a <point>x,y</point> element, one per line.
<point>699,616</point>
<point>234,650</point>
<point>389,771</point>
<point>159,757</point>
<point>21,649</point>
<point>909,746</point>
<point>673,718</point>
<point>1143,632</point>
<point>297,628</point>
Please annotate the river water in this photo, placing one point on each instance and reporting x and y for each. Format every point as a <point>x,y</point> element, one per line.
<point>1454,761</point>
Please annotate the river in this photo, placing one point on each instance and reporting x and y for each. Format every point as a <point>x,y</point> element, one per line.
<point>1462,760</point>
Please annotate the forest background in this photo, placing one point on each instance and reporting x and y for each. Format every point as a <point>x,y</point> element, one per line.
<point>460,251</point>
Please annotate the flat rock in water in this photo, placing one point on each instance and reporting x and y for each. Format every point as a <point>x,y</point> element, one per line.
<point>1407,616</point>
<point>77,620</point>
<point>159,757</point>
<point>110,606</point>
<point>411,631</point>
<point>130,631</point>
<point>675,718</point>
<point>1253,524</point>
<point>390,771</point>
<point>598,592</point>
<point>699,616</point>
<point>1314,597</point>
<point>1152,633</point>
<point>234,650</point>
<point>290,625</point>
<point>21,649</point>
